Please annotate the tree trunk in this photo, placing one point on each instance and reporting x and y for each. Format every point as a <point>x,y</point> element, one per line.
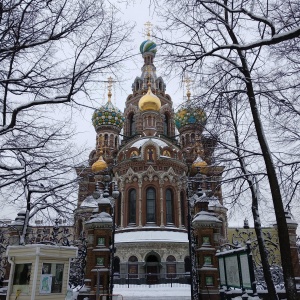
<point>283,235</point>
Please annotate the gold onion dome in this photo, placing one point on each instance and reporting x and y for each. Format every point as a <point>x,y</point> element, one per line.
<point>99,165</point>
<point>149,101</point>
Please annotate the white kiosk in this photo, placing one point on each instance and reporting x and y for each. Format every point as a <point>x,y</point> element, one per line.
<point>39,271</point>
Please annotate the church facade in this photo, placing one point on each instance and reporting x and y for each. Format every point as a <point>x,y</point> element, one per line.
<point>151,164</point>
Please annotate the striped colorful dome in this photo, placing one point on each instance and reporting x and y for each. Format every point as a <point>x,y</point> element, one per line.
<point>189,115</point>
<point>108,114</point>
<point>148,46</point>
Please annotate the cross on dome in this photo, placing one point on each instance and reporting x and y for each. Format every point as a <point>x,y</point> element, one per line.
<point>148,26</point>
<point>187,82</point>
<point>109,87</point>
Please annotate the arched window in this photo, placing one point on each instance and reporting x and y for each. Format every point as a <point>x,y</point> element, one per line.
<point>169,207</point>
<point>131,125</point>
<point>171,266</point>
<point>187,138</point>
<point>150,203</point>
<point>133,267</point>
<point>166,125</point>
<point>132,207</point>
<point>118,213</point>
<point>193,137</point>
<point>182,206</point>
<point>182,141</point>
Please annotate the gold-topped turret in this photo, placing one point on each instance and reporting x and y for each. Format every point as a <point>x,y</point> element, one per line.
<point>100,164</point>
<point>199,163</point>
<point>149,101</point>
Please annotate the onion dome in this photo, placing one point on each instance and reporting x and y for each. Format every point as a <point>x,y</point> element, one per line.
<point>199,163</point>
<point>99,165</point>
<point>148,46</point>
<point>149,101</point>
<point>188,116</point>
<point>108,114</point>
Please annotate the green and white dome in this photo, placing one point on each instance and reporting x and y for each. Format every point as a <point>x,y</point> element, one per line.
<point>108,114</point>
<point>148,46</point>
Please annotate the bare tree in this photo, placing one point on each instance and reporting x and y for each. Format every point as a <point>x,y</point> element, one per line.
<point>214,38</point>
<point>51,55</point>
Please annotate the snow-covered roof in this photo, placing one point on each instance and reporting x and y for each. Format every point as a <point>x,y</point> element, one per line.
<point>215,202</point>
<point>140,236</point>
<point>89,201</point>
<point>103,217</point>
<point>205,216</point>
<point>141,142</point>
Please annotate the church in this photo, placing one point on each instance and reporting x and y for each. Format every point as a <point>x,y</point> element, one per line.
<point>150,187</point>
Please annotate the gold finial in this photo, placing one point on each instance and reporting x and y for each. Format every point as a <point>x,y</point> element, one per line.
<point>99,164</point>
<point>100,145</point>
<point>187,82</point>
<point>148,26</point>
<point>109,87</point>
<point>148,70</point>
<point>199,149</point>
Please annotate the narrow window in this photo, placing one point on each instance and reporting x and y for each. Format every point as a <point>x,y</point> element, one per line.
<point>131,125</point>
<point>169,207</point>
<point>182,209</point>
<point>166,125</point>
<point>132,207</point>
<point>150,203</point>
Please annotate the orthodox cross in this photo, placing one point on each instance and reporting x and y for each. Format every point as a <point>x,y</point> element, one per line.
<point>187,82</point>
<point>109,87</point>
<point>148,26</point>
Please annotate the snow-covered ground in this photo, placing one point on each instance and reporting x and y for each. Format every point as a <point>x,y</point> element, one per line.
<point>161,291</point>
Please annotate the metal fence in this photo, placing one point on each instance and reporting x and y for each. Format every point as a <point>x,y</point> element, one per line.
<point>151,278</point>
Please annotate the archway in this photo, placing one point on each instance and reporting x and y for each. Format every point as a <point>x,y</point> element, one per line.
<point>152,268</point>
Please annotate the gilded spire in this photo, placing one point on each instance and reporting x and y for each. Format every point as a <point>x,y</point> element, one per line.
<point>148,26</point>
<point>148,70</point>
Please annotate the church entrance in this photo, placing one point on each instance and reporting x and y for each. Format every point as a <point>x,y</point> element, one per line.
<point>152,269</point>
